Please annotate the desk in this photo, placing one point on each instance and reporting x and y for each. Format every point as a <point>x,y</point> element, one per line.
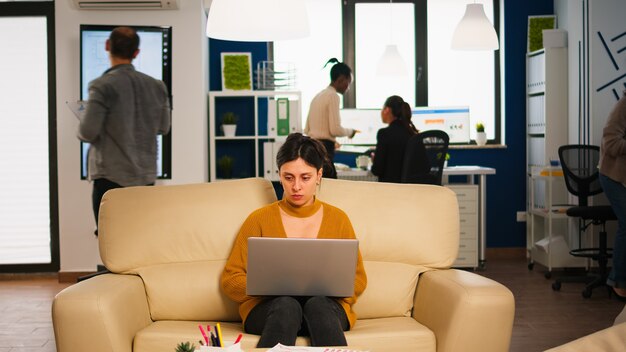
<point>471,172</point>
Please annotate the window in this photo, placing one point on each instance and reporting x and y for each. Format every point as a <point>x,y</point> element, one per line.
<point>437,75</point>
<point>310,54</point>
<point>460,78</point>
<point>28,221</point>
<point>377,25</point>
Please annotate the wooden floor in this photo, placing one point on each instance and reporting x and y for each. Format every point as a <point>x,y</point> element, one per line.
<point>543,318</point>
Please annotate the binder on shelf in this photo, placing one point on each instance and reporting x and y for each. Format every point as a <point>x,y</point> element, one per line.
<point>283,117</point>
<point>268,160</point>
<point>270,169</point>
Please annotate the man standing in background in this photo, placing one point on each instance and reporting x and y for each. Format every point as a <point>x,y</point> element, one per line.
<point>127,110</point>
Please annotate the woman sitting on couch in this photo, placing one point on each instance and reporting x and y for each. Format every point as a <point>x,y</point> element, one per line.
<point>281,319</point>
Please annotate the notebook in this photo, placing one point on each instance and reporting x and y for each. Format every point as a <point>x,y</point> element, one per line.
<point>301,267</point>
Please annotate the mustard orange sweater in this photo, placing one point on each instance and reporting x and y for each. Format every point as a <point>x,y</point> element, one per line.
<point>267,222</point>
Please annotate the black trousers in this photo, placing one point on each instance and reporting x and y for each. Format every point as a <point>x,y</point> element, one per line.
<point>100,187</point>
<point>329,170</point>
<point>282,319</point>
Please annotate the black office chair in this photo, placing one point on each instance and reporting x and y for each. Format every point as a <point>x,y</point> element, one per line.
<point>424,157</point>
<point>580,168</point>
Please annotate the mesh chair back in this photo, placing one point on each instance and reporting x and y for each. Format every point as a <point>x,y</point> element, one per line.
<point>580,168</point>
<point>424,157</point>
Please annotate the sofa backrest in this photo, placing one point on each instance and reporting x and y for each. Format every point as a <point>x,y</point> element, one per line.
<point>177,238</point>
<point>403,230</point>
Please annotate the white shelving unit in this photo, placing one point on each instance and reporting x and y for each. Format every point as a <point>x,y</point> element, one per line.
<point>546,130</point>
<point>548,239</point>
<point>253,138</point>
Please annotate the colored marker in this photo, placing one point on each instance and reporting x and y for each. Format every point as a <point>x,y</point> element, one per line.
<point>206,338</point>
<point>219,335</point>
<point>238,338</point>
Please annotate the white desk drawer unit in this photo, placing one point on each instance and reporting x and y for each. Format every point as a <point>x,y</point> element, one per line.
<point>467,196</point>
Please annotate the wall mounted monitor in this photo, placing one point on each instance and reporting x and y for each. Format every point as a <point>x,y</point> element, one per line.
<point>154,59</point>
<point>453,120</point>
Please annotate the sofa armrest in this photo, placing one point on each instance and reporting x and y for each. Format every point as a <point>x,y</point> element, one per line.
<point>466,311</point>
<point>609,339</point>
<point>100,314</point>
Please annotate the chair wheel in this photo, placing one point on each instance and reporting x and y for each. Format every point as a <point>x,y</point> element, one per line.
<point>547,275</point>
<point>556,286</point>
<point>531,266</point>
<point>587,293</point>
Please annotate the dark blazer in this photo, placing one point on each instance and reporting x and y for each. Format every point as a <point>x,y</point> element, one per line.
<point>390,146</point>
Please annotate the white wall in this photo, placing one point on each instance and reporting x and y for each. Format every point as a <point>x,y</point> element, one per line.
<point>606,17</point>
<point>78,245</point>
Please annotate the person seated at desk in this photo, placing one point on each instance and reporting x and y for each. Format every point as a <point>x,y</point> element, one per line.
<point>280,319</point>
<point>391,141</point>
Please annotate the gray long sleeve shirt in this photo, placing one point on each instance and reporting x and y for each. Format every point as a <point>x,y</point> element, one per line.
<point>126,111</point>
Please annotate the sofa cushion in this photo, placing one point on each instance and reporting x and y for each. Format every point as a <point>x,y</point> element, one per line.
<point>187,291</point>
<point>390,290</point>
<point>386,334</point>
<point>425,234</point>
<point>191,291</point>
<point>144,226</point>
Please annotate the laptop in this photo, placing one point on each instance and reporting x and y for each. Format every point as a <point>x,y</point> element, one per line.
<point>301,267</point>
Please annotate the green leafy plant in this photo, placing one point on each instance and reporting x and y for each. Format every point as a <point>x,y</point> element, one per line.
<point>536,25</point>
<point>225,164</point>
<point>229,118</point>
<point>480,127</point>
<point>236,71</point>
<point>185,347</point>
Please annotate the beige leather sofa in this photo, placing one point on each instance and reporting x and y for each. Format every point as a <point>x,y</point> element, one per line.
<point>166,247</point>
<point>611,339</point>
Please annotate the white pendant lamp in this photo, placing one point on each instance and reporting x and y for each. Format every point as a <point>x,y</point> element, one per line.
<point>257,20</point>
<point>475,32</point>
<point>391,62</point>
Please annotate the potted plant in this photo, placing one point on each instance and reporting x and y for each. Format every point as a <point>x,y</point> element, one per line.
<point>185,347</point>
<point>481,136</point>
<point>229,123</point>
<point>225,165</point>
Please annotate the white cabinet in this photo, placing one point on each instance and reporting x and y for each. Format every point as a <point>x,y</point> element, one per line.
<point>546,131</point>
<point>264,117</point>
<point>546,105</point>
<point>467,196</point>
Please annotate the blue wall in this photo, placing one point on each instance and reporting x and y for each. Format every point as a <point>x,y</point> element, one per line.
<point>506,190</point>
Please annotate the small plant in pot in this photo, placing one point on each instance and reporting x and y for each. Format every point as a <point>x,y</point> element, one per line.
<point>481,136</point>
<point>229,123</point>
<point>185,347</point>
<point>225,165</point>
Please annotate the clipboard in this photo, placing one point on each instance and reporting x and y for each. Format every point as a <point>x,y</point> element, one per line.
<point>79,108</point>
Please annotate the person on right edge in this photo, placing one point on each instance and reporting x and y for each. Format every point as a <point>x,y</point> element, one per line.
<point>613,181</point>
<point>323,122</point>
<point>391,141</point>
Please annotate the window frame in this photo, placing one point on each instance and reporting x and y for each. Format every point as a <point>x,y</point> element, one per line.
<point>43,9</point>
